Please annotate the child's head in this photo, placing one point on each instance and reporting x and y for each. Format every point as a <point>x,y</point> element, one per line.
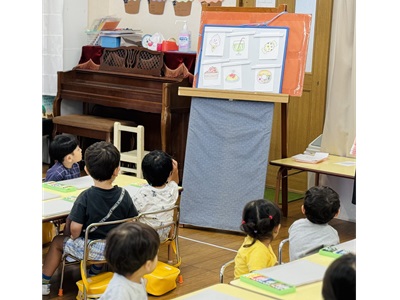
<point>321,204</point>
<point>64,145</point>
<point>101,160</point>
<point>156,167</point>
<point>261,220</point>
<point>339,282</point>
<point>130,246</point>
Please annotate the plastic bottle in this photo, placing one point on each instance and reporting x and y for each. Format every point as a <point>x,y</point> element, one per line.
<point>184,38</point>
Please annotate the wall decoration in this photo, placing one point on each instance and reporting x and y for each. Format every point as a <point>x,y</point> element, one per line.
<point>182,8</point>
<point>156,7</point>
<point>211,2</point>
<point>132,6</point>
<point>247,58</point>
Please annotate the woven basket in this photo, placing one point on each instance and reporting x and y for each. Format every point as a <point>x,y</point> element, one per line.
<point>182,8</point>
<point>156,7</point>
<point>132,6</point>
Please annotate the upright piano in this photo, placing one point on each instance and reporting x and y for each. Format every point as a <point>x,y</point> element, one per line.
<point>148,100</point>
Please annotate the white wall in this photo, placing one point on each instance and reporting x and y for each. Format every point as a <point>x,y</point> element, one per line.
<point>148,23</point>
<point>75,14</point>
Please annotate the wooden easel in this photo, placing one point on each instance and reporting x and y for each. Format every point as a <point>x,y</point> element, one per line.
<point>291,86</point>
<point>216,15</point>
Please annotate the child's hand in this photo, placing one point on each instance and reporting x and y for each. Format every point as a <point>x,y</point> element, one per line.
<point>174,165</point>
<point>174,173</point>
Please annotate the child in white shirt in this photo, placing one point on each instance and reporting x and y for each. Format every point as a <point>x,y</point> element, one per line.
<point>161,172</point>
<point>308,235</point>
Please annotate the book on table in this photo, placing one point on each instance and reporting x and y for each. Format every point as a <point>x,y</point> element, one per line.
<point>59,187</point>
<point>268,283</point>
<point>333,251</point>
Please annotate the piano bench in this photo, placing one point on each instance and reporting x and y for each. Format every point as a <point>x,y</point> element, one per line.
<point>88,126</point>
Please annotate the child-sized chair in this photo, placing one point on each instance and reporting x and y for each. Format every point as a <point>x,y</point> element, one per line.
<point>168,231</point>
<point>48,232</point>
<point>133,157</point>
<point>162,279</point>
<point>231,263</point>
<point>93,287</point>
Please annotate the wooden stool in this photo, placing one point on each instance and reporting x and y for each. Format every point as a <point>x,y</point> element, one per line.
<point>87,126</point>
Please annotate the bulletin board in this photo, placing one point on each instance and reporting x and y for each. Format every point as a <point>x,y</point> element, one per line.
<point>299,33</point>
<point>246,58</point>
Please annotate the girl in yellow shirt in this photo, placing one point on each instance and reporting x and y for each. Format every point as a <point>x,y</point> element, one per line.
<point>261,221</point>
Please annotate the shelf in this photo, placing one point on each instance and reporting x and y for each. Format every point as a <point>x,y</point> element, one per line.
<point>233,95</point>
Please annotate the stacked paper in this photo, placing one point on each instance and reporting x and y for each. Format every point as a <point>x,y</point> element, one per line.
<point>311,158</point>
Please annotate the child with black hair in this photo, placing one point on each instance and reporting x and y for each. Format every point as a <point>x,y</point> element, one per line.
<point>65,151</point>
<point>101,202</point>
<point>131,252</point>
<point>162,191</point>
<point>339,282</point>
<point>308,235</point>
<point>261,221</point>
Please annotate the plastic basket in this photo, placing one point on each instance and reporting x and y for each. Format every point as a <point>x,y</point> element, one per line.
<point>93,38</point>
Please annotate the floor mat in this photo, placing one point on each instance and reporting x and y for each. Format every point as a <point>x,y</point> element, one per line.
<point>270,195</point>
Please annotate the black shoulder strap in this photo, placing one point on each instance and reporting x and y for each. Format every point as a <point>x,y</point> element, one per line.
<point>111,210</point>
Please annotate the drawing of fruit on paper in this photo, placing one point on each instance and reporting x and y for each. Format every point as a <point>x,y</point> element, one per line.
<point>269,46</point>
<point>264,76</point>
<point>239,46</point>
<point>232,77</point>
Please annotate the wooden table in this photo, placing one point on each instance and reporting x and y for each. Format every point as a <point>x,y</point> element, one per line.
<point>335,165</point>
<point>306,291</point>
<point>224,291</point>
<point>60,210</point>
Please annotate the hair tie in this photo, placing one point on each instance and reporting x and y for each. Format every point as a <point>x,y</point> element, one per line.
<point>270,217</point>
<point>243,222</point>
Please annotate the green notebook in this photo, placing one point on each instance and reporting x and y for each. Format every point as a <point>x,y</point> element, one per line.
<point>332,251</point>
<point>60,187</point>
<point>268,284</point>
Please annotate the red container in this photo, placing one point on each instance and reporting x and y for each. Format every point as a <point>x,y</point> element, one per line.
<point>169,46</point>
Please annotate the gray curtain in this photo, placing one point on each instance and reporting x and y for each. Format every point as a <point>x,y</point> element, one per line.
<point>226,160</point>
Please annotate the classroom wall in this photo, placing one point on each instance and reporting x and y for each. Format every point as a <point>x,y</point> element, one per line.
<point>149,23</point>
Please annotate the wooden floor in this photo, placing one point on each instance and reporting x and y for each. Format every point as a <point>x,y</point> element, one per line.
<point>203,252</point>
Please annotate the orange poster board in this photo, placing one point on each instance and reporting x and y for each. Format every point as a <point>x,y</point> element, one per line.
<point>299,33</point>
